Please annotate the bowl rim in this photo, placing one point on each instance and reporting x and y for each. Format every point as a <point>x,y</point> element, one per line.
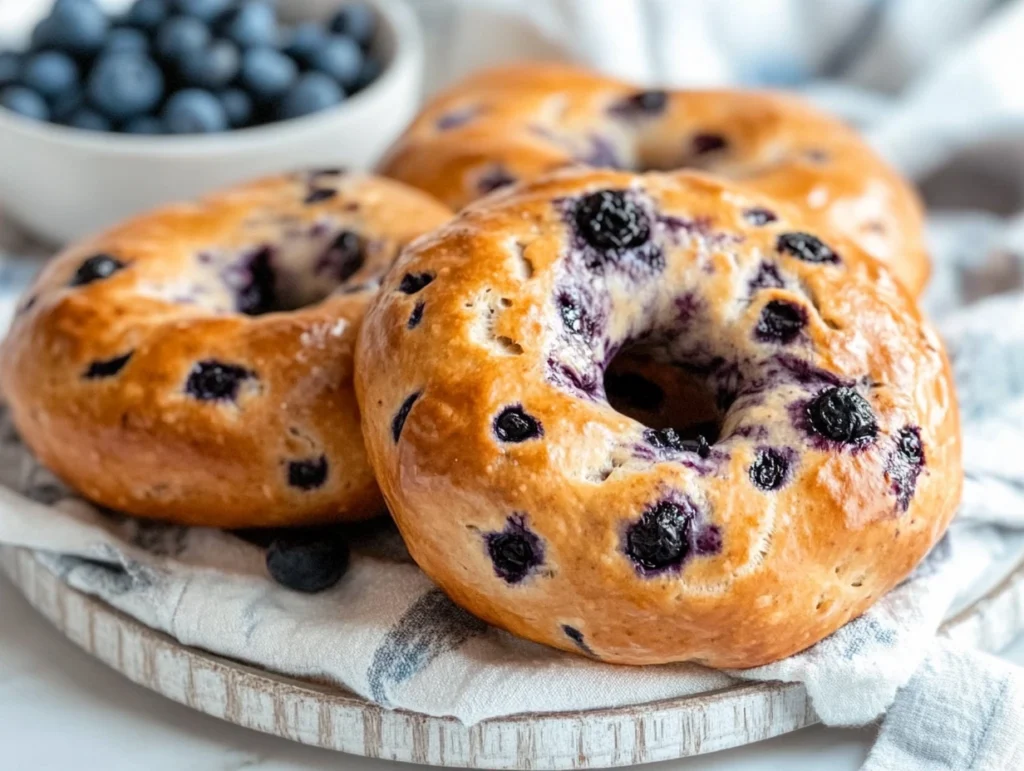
<point>407,53</point>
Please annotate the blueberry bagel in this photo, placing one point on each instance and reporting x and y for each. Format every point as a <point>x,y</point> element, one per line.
<point>515,123</point>
<point>195,364</point>
<point>825,465</point>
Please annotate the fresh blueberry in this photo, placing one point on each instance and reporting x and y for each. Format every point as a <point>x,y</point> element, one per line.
<point>88,119</point>
<point>341,58</point>
<point>515,425</point>
<point>144,124</point>
<point>181,37</point>
<point>237,106</point>
<point>78,27</point>
<point>124,85</point>
<point>212,67</point>
<point>312,92</point>
<point>308,562</point>
<point>194,111</point>
<point>25,102</point>
<point>253,25</point>
<point>212,380</point>
<point>147,14</point>
<point>207,10</point>
<point>369,72</point>
<point>608,220</point>
<point>356,20</point>
<point>10,68</point>
<point>50,73</point>
<point>806,247</point>
<point>842,415</point>
<point>267,74</point>
<point>64,105</point>
<point>126,39</point>
<point>306,39</point>
<point>660,538</point>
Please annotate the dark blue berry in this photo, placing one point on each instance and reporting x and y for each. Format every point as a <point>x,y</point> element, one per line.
<point>398,422</point>
<point>416,316</point>
<point>237,106</point>
<point>609,220</point>
<point>194,111</point>
<point>10,68</point>
<point>127,39</point>
<point>660,538</point>
<point>181,37</point>
<point>642,104</point>
<point>307,474</point>
<point>634,390</point>
<point>306,39</point>
<point>806,247</point>
<point>308,562</point>
<point>842,415</point>
<point>147,14</point>
<point>50,73</point>
<point>253,25</point>
<point>770,469</point>
<point>356,20</point>
<point>312,92</point>
<point>145,125</point>
<point>212,380</point>
<point>123,85</point>
<point>708,143</point>
<point>212,67</point>
<point>65,105</point>
<point>515,551</point>
<point>412,283</point>
<point>267,74</point>
<point>341,58</point>
<point>107,367</point>
<point>96,268</point>
<point>78,27</point>
<point>88,119</point>
<point>207,10</point>
<point>669,439</point>
<point>25,102</point>
<point>759,216</point>
<point>514,424</point>
<point>780,322</point>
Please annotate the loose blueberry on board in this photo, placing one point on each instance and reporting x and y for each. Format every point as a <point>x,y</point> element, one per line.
<point>124,85</point>
<point>10,68</point>
<point>308,561</point>
<point>806,247</point>
<point>181,37</point>
<point>50,73</point>
<point>207,10</point>
<point>312,92</point>
<point>212,67</point>
<point>341,58</point>
<point>147,15</point>
<point>660,539</point>
<point>252,25</point>
<point>267,74</point>
<point>24,102</point>
<point>609,220</point>
<point>96,268</point>
<point>356,20</point>
<point>126,39</point>
<point>194,111</point>
<point>88,119</point>
<point>144,125</point>
<point>238,107</point>
<point>515,551</point>
<point>75,26</point>
<point>842,415</point>
<point>514,425</point>
<point>212,380</point>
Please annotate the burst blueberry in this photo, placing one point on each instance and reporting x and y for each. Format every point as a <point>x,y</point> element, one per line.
<point>514,425</point>
<point>660,538</point>
<point>806,247</point>
<point>212,380</point>
<point>611,220</point>
<point>905,465</point>
<point>308,473</point>
<point>770,469</point>
<point>414,282</point>
<point>515,552</point>
<point>96,268</point>
<point>841,414</point>
<point>780,322</point>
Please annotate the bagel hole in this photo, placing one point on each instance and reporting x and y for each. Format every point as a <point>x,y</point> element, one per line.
<point>662,395</point>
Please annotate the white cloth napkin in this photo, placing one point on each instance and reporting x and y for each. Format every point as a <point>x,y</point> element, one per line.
<point>937,92</point>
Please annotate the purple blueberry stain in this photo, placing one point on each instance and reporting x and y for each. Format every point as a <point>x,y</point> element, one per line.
<point>416,316</point>
<point>212,380</point>
<point>398,421</point>
<point>708,541</point>
<point>587,384</point>
<point>457,117</point>
<point>770,470</point>
<point>643,104</point>
<point>806,247</point>
<point>515,551</point>
<point>96,268</point>
<point>601,154</point>
<point>904,465</point>
<point>780,322</point>
<point>307,473</point>
<point>513,425</point>
<point>345,255</point>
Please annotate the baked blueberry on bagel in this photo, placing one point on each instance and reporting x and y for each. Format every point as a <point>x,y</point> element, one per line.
<point>781,449</point>
<point>195,364</point>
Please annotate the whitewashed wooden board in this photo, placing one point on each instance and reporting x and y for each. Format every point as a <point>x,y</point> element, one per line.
<point>328,717</point>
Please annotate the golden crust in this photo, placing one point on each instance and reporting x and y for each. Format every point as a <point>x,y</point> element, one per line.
<point>764,573</point>
<point>135,439</point>
<point>518,122</point>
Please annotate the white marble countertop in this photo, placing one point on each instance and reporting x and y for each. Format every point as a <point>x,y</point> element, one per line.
<point>61,709</point>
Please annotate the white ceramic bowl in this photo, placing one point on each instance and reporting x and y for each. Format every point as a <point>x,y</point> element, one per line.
<point>64,183</point>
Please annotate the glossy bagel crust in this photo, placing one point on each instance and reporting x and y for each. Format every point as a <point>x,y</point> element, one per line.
<point>518,122</point>
<point>151,367</point>
<point>541,509</point>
